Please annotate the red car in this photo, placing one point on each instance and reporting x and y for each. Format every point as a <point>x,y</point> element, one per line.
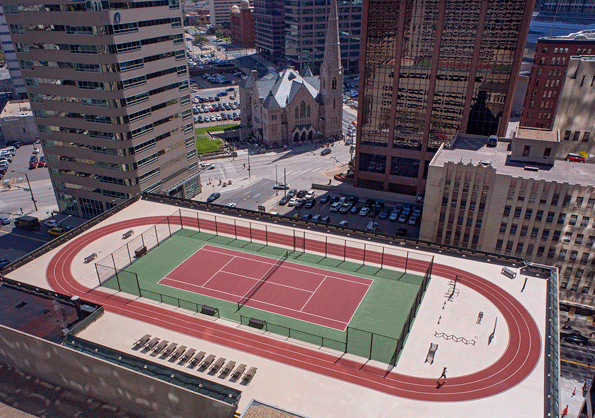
<point>577,158</point>
<point>41,162</point>
<point>32,165</point>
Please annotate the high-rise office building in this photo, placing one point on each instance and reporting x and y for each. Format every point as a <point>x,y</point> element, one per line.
<point>552,56</point>
<point>269,22</point>
<point>432,69</point>
<point>305,25</point>
<point>109,88</point>
<point>12,63</point>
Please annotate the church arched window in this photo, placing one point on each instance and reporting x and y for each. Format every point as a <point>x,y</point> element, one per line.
<point>297,112</point>
<point>308,113</point>
<point>302,110</point>
<point>334,84</point>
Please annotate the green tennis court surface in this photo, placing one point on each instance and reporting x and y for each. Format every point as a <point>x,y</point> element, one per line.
<point>372,332</point>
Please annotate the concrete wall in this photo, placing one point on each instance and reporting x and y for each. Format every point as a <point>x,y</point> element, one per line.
<point>22,129</point>
<point>132,391</point>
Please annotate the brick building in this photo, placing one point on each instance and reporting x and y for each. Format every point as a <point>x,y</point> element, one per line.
<point>547,76</point>
<point>242,25</point>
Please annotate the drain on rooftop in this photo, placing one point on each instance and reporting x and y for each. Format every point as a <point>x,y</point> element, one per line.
<point>45,311</point>
<point>20,305</point>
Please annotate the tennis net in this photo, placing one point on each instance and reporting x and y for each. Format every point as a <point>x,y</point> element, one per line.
<point>264,278</point>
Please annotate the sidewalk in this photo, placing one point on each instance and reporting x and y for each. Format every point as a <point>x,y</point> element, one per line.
<point>214,186</point>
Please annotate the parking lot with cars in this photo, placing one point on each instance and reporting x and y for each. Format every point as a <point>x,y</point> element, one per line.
<point>394,218</point>
<point>216,106</point>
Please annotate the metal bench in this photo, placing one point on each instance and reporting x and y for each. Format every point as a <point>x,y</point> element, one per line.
<point>142,341</point>
<point>256,323</point>
<point>169,349</point>
<point>152,343</point>
<point>160,346</point>
<point>228,368</point>
<point>238,371</point>
<point>187,355</point>
<point>511,274</point>
<point>179,351</point>
<point>90,258</point>
<point>197,358</point>
<point>249,374</point>
<point>139,252</point>
<point>127,234</point>
<point>217,365</point>
<point>208,361</point>
<point>208,310</point>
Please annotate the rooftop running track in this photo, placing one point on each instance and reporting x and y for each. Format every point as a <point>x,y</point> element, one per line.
<point>516,363</point>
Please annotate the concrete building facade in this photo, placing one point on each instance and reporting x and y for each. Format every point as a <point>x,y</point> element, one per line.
<point>17,122</point>
<point>430,71</point>
<point>269,26</point>
<point>548,73</point>
<point>522,203</point>
<point>305,23</point>
<point>219,9</point>
<point>110,94</point>
<point>242,25</point>
<point>12,63</point>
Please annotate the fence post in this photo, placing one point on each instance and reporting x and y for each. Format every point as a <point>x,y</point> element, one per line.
<point>98,277</point>
<point>197,221</point>
<point>168,226</point>
<point>406,261</point>
<point>250,230</point>
<point>382,260</point>
<point>142,239</point>
<point>345,251</point>
<point>364,262</point>
<point>137,283</point>
<point>371,345</point>
<point>116,270</point>
<point>156,234</point>
<point>216,229</point>
<point>128,251</point>
<point>235,228</point>
<point>181,223</point>
<point>325,246</point>
<point>293,240</point>
<point>346,338</point>
<point>266,235</point>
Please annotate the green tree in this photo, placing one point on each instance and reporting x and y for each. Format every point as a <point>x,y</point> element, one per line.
<point>200,39</point>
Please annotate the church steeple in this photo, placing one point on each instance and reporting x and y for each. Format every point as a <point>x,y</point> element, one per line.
<point>331,76</point>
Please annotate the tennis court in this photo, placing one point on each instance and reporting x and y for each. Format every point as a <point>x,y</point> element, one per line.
<point>306,293</point>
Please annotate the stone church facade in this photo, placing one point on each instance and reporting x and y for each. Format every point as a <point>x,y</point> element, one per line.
<point>289,107</point>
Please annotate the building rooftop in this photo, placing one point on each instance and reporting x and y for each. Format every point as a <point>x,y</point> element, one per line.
<point>466,324</point>
<point>585,35</point>
<point>469,149</point>
<point>16,108</point>
<point>536,134</point>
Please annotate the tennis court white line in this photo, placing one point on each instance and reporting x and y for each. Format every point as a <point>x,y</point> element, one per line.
<point>293,268</point>
<point>256,300</point>
<point>319,284</point>
<point>278,284</point>
<point>218,271</point>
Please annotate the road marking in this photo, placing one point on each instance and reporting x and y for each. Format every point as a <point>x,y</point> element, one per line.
<point>578,364</point>
<point>24,236</point>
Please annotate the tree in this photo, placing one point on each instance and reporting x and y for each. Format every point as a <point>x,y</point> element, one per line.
<point>219,33</point>
<point>200,39</point>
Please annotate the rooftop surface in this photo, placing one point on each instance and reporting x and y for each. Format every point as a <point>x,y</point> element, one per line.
<point>484,331</point>
<point>536,134</point>
<point>16,108</point>
<point>474,151</point>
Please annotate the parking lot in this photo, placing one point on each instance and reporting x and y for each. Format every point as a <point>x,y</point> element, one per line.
<point>352,215</point>
<point>216,106</point>
<point>20,164</point>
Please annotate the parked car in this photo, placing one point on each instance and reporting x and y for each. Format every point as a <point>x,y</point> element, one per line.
<point>51,223</point>
<point>291,193</point>
<point>231,205</point>
<point>57,231</point>
<point>316,218</point>
<point>577,158</point>
<point>403,218</point>
<point>281,186</point>
<point>335,206</point>
<point>576,338</point>
<point>383,214</point>
<point>4,220</point>
<point>364,211</point>
<point>310,203</point>
<point>326,220</point>
<point>413,220</point>
<point>345,207</point>
<point>283,200</point>
<point>292,201</point>
<point>325,198</point>
<point>35,150</point>
<point>41,162</point>
<point>325,151</point>
<point>394,215</point>
<point>300,203</point>
<point>354,210</point>
<point>213,197</point>
<point>492,141</point>
<point>344,223</point>
<point>401,232</point>
<point>307,216</point>
<point>32,165</point>
<point>4,262</point>
<point>372,226</point>
<point>301,194</point>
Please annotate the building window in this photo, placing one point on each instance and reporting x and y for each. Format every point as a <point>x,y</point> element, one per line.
<point>545,234</point>
<point>567,236</point>
<point>550,217</point>
<point>567,135</point>
<point>534,232</point>
<point>507,211</point>
<point>539,215</point>
<point>562,254</point>
<point>499,244</point>
<point>561,218</point>
<point>517,212</point>
<point>573,219</point>
<point>503,227</point>
<point>526,150</point>
<point>586,136</point>
<point>547,152</point>
<point>579,239</point>
<point>528,213</point>
<point>576,136</point>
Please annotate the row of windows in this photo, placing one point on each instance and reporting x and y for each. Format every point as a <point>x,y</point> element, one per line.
<point>91,6</point>
<point>576,136</point>
<point>19,29</point>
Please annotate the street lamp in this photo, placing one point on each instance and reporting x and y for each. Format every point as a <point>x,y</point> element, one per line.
<point>30,189</point>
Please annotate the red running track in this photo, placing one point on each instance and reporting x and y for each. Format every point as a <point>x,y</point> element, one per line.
<point>306,293</point>
<point>517,362</point>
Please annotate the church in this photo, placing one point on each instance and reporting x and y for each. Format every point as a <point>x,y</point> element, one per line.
<point>289,107</point>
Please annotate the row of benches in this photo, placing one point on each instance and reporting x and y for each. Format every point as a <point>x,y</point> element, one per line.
<point>167,349</point>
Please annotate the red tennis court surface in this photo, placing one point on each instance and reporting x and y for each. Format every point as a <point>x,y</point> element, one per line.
<point>306,293</point>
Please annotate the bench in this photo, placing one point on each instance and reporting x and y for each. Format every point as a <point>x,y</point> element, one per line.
<point>170,348</point>
<point>152,343</point>
<point>256,323</point>
<point>139,252</point>
<point>142,341</point>
<point>187,355</point>
<point>208,310</point>
<point>160,346</point>
<point>228,368</point>
<point>127,234</point>
<point>431,353</point>
<point>90,258</point>
<point>238,371</point>
<point>218,364</point>
<point>178,352</point>
<point>508,272</point>
<point>208,361</point>
<point>197,358</point>
<point>249,374</point>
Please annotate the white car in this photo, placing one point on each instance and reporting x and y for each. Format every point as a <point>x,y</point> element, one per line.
<point>35,150</point>
<point>292,202</point>
<point>372,226</point>
<point>310,194</point>
<point>51,224</point>
<point>231,205</point>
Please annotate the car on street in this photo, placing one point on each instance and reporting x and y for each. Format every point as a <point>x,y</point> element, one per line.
<point>372,226</point>
<point>335,206</point>
<point>283,200</point>
<point>57,231</point>
<point>326,220</point>
<point>51,223</point>
<point>343,223</point>
<point>281,186</point>
<point>213,197</point>
<point>401,232</point>
<point>325,151</point>
<point>4,220</point>
<point>364,211</point>
<point>575,337</point>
